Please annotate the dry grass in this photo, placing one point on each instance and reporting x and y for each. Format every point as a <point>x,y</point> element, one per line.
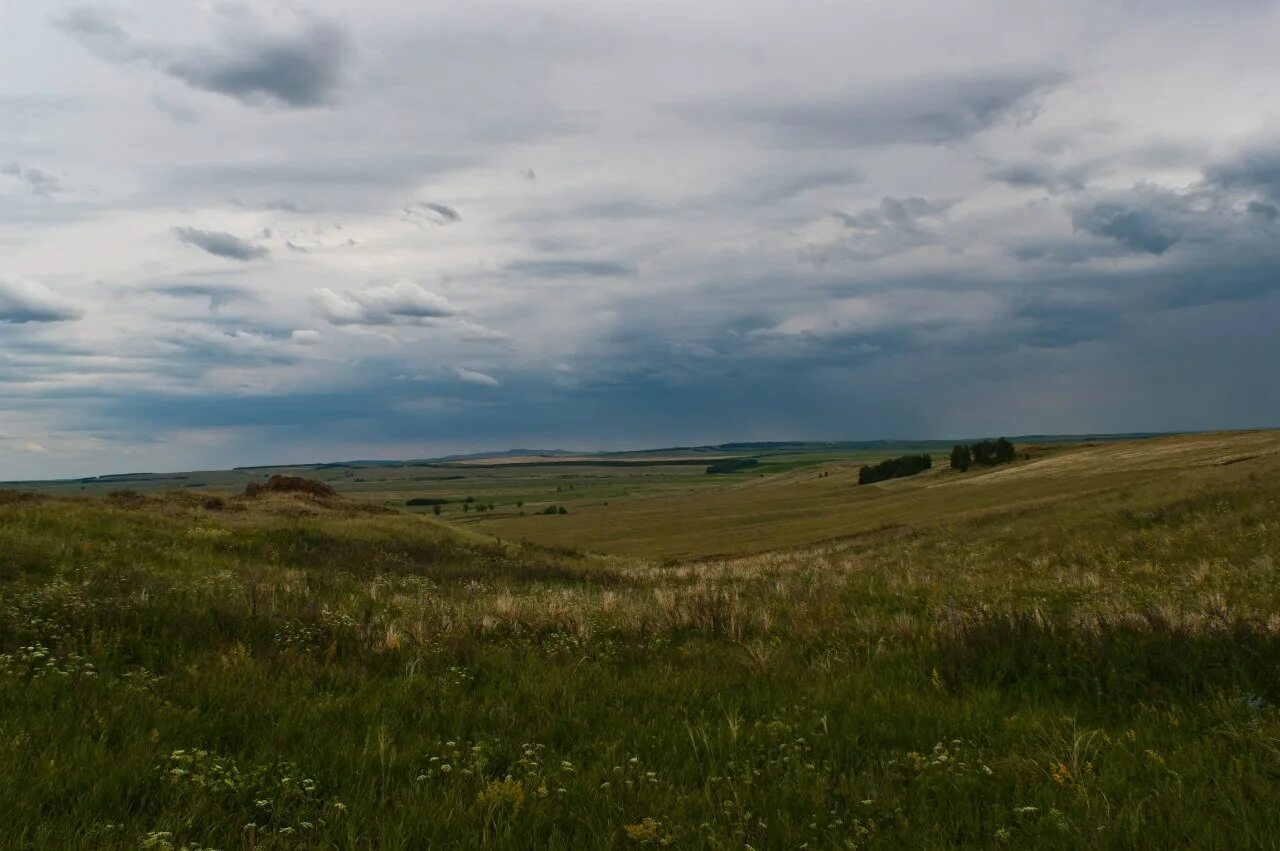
<point>798,508</point>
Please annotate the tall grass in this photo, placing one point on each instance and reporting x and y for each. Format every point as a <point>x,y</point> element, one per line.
<point>284,673</point>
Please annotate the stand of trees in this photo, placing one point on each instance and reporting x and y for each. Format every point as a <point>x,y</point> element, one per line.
<point>732,465</point>
<point>894,468</point>
<point>985,452</point>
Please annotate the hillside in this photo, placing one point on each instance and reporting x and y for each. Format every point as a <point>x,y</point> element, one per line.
<point>1024,669</point>
<point>800,506</point>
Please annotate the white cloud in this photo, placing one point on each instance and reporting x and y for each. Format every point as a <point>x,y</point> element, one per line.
<point>403,301</point>
<point>24,301</point>
<point>472,376</point>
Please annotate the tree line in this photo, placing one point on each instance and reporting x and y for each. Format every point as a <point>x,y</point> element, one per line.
<point>894,468</point>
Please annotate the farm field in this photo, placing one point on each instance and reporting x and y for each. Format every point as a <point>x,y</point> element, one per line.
<point>1073,651</point>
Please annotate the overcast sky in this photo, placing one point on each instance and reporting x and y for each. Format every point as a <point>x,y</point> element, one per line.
<point>239,233</point>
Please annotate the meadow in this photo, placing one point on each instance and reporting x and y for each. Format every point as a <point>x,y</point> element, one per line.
<point>1077,650</point>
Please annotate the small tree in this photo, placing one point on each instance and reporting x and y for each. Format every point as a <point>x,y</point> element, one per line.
<point>1004,451</point>
<point>961,457</point>
<point>437,509</point>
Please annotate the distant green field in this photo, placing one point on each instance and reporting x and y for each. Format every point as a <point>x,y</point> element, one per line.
<point>565,480</point>
<point>1078,651</point>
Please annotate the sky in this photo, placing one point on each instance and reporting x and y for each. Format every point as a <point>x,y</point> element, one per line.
<point>272,232</point>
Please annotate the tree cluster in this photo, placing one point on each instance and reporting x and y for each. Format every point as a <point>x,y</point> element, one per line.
<point>985,452</point>
<point>732,465</point>
<point>894,468</point>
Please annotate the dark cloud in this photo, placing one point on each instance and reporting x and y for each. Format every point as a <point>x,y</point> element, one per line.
<point>893,226</point>
<point>899,213</point>
<point>100,31</point>
<point>1265,211</point>
<point>1040,176</point>
<point>220,244</point>
<point>425,212</point>
<point>23,301</point>
<point>1147,221</point>
<point>38,181</point>
<point>1256,170</point>
<point>1064,251</point>
<point>219,295</point>
<point>299,70</point>
<point>926,111</point>
<point>302,68</point>
<point>569,269</point>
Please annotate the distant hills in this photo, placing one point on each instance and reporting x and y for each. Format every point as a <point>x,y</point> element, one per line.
<point>746,447</point>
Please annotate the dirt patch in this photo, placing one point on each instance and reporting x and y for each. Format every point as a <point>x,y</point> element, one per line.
<point>291,484</point>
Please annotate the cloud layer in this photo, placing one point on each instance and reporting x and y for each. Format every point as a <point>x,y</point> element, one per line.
<point>444,228</point>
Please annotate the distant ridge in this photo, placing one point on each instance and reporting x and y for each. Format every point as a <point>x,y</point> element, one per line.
<point>730,447</point>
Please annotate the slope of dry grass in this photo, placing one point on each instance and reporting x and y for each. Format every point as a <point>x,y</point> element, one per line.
<point>797,507</point>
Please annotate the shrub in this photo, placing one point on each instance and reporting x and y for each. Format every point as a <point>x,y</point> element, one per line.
<point>427,500</point>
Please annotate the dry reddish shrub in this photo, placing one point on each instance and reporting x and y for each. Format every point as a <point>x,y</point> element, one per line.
<point>290,484</point>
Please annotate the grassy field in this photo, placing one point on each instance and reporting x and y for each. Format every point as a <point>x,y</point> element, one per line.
<point>753,513</point>
<point>1080,650</point>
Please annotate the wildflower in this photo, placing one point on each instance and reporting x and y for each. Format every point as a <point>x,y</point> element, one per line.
<point>646,831</point>
<point>507,793</point>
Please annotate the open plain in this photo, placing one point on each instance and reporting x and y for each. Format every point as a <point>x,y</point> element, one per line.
<point>1076,650</point>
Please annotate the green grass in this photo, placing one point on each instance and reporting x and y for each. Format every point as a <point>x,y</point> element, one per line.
<point>283,673</point>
